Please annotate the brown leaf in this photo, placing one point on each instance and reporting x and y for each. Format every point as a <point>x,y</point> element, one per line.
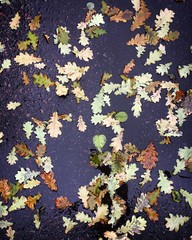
<point>25,79</point>
<point>38,122</point>
<point>32,201</point>
<point>62,202</point>
<point>138,40</point>
<point>5,189</point>
<point>131,151</point>
<point>35,23</point>
<point>179,96</point>
<point>49,180</point>
<point>40,150</point>
<point>151,87</point>
<point>148,157</point>
<point>141,16</point>
<point>152,214</point>
<point>172,36</point>
<point>122,16</point>
<point>129,67</point>
<point>166,140</point>
<point>151,36</point>
<point>89,15</point>
<point>153,196</point>
<point>23,151</point>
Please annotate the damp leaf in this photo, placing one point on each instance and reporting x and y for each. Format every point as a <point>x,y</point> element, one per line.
<point>100,214</point>
<point>184,70</point>
<point>5,189</point>
<point>18,203</point>
<point>188,196</point>
<point>62,203</point>
<point>54,126</point>
<point>3,210</point>
<point>12,158</point>
<point>154,56</point>
<point>68,224</point>
<point>121,116</point>
<point>49,180</point>
<point>99,141</point>
<point>5,224</point>
<point>35,23</point>
<point>137,106</point>
<point>136,4</point>
<point>81,124</point>
<point>142,202</point>
<point>163,69</point>
<point>15,21</point>
<point>148,157</point>
<point>13,105</point>
<point>37,220</point>
<point>83,217</point>
<point>40,134</point>
<point>10,233</point>
<point>138,40</point>
<point>141,16</point>
<point>153,196</point>
<point>28,128</point>
<point>31,183</point>
<point>25,78</point>
<point>164,184</point>
<point>146,177</point>
<point>174,222</point>
<point>96,20</point>
<point>122,16</point>
<point>85,54</point>
<point>23,151</point>
<point>116,142</point>
<point>42,80</point>
<point>23,175</point>
<point>129,67</point>
<point>32,201</point>
<point>152,214</point>
<point>26,59</point>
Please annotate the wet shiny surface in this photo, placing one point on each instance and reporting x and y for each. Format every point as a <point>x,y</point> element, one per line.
<point>70,152</point>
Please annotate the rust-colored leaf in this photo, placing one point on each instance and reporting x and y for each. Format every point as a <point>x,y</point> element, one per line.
<point>40,150</point>
<point>138,40</point>
<point>5,189</point>
<point>35,23</point>
<point>38,122</point>
<point>122,16</point>
<point>141,16</point>
<point>23,151</point>
<point>62,202</point>
<point>152,214</point>
<point>49,180</point>
<point>89,15</point>
<point>153,196</point>
<point>179,96</point>
<point>32,201</point>
<point>148,157</point>
<point>25,79</point>
<point>129,67</point>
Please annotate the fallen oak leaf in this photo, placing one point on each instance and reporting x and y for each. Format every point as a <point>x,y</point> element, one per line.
<point>49,180</point>
<point>35,23</point>
<point>122,16</point>
<point>32,201</point>
<point>25,79</point>
<point>40,150</point>
<point>31,183</point>
<point>153,196</point>
<point>148,157</point>
<point>23,151</point>
<point>129,67</point>
<point>54,126</point>
<point>138,40</point>
<point>152,214</point>
<point>42,80</point>
<point>14,23</point>
<point>5,189</point>
<point>26,59</point>
<point>62,203</point>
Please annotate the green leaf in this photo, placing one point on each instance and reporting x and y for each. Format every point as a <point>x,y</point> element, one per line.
<point>164,183</point>
<point>63,35</point>
<point>40,134</point>
<point>18,203</point>
<point>5,224</point>
<point>33,38</point>
<point>12,158</point>
<point>187,195</point>
<point>121,116</point>
<point>95,32</point>
<point>99,141</point>
<point>42,80</point>
<point>176,196</point>
<point>3,210</point>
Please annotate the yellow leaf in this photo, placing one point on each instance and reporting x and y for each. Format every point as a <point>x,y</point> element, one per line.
<point>14,23</point>
<point>26,59</point>
<point>35,23</point>
<point>31,184</point>
<point>13,105</point>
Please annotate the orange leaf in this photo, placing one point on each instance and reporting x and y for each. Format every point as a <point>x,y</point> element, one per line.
<point>148,157</point>
<point>153,196</point>
<point>38,122</point>
<point>35,23</point>
<point>129,67</point>
<point>89,15</point>
<point>5,189</point>
<point>141,16</point>
<point>122,16</point>
<point>49,180</point>
<point>32,201</point>
<point>40,150</point>
<point>25,78</point>
<point>62,202</point>
<point>23,151</point>
<point>152,214</point>
<point>138,40</point>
